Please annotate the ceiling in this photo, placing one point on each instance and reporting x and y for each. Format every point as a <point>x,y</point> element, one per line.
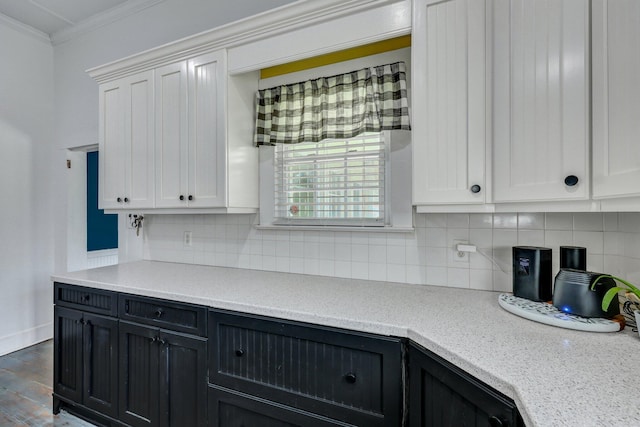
<point>52,17</point>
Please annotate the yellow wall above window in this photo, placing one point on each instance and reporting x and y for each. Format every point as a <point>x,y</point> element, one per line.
<point>339,56</point>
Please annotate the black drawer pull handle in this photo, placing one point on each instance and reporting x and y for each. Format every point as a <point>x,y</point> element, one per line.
<point>571,180</point>
<point>350,378</point>
<point>239,352</point>
<point>496,422</point>
<point>159,313</point>
<point>475,188</point>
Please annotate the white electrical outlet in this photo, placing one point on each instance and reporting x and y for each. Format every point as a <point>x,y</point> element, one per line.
<point>459,256</point>
<point>188,241</point>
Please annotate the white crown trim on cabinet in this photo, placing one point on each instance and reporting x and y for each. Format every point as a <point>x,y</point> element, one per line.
<point>270,23</point>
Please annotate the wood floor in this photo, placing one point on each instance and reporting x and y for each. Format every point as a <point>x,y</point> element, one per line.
<point>26,378</point>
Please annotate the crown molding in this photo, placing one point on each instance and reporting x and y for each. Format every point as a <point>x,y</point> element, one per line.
<point>101,19</point>
<point>25,29</point>
<point>302,13</point>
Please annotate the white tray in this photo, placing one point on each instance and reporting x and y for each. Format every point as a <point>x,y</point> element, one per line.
<point>546,313</point>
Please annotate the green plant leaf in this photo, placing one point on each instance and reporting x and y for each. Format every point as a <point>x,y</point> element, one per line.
<point>609,296</point>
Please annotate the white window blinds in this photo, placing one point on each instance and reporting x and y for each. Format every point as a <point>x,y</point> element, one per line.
<point>338,182</point>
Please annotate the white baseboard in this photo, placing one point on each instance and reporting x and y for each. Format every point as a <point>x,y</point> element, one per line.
<point>26,338</point>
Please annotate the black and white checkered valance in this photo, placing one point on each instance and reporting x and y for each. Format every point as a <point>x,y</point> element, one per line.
<point>342,106</point>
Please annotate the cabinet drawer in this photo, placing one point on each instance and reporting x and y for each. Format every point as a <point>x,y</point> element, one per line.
<point>85,299</point>
<point>230,409</point>
<point>320,370</point>
<point>175,316</point>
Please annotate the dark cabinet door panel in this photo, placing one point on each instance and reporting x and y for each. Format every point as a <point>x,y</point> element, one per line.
<point>231,409</point>
<point>183,380</point>
<point>67,376</point>
<point>138,372</point>
<point>441,394</point>
<point>101,364</point>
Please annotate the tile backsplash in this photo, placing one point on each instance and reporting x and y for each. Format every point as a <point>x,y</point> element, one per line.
<point>424,256</point>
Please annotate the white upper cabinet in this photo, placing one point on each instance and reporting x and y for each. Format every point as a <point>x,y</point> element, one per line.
<point>207,130</point>
<point>171,135</point>
<point>541,119</point>
<point>616,98</point>
<point>125,142</point>
<point>449,102</point>
<point>190,133</point>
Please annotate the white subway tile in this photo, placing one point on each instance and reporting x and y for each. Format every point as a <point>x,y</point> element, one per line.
<point>416,274</point>
<point>436,220</point>
<point>629,222</point>
<point>530,237</point>
<point>481,237</point>
<point>396,273</point>
<point>505,220</point>
<point>360,253</point>
<point>436,257</point>
<point>610,220</point>
<point>378,272</point>
<point>481,279</point>
<point>558,221</point>
<point>396,255</point>
<point>360,270</point>
<point>342,269</point>
<point>458,277</point>
<point>588,221</point>
<point>531,221</point>
<point>436,237</point>
<point>457,220</point>
<point>378,254</point>
<point>437,276</point>
<point>481,220</point>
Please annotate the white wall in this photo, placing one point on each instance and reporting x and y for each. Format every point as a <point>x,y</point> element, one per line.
<point>26,220</point>
<point>76,94</point>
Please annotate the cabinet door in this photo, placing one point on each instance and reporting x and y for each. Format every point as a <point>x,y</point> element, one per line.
<point>171,135</point>
<point>126,143</point>
<point>207,131</point>
<point>67,376</point>
<point>616,98</point>
<point>443,395</point>
<point>112,147</point>
<point>541,100</point>
<point>183,379</point>
<point>449,101</point>
<point>140,141</point>
<point>138,373</point>
<point>100,374</point>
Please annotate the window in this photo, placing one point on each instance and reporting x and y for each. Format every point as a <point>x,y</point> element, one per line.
<point>341,182</point>
<point>335,151</point>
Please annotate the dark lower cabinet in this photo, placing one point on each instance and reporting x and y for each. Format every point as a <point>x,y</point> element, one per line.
<point>163,377</point>
<point>85,362</point>
<point>231,409</point>
<point>443,395</point>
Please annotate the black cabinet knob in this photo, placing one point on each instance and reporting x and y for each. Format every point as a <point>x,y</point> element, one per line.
<point>162,341</point>
<point>86,298</point>
<point>475,188</point>
<point>154,339</point>
<point>119,200</point>
<point>496,422</point>
<point>571,180</point>
<point>159,313</point>
<point>190,197</point>
<point>239,352</point>
<point>181,197</point>
<point>350,378</point>
<point>126,200</point>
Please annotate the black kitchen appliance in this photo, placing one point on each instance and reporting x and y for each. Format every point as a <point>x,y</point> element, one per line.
<point>572,293</point>
<point>532,278</point>
<point>574,257</point>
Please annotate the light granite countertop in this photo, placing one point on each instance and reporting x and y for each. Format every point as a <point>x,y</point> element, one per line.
<point>557,377</point>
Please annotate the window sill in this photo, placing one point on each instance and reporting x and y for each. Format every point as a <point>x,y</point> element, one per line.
<point>386,229</point>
